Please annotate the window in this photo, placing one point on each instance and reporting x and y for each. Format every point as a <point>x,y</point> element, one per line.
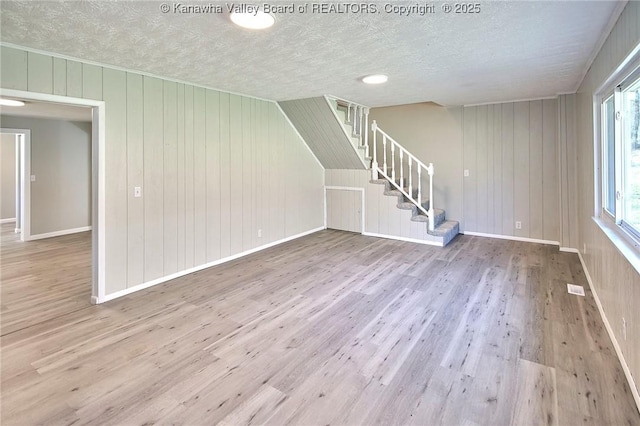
<point>621,154</point>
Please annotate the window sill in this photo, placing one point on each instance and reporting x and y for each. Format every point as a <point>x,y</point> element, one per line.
<point>626,245</point>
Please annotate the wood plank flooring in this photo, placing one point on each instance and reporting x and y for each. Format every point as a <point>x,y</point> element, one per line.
<point>332,328</point>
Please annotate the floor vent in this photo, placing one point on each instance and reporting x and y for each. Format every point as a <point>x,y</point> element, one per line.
<point>578,290</point>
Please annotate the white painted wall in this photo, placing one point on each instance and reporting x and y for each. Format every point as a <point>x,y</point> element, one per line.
<point>61,163</point>
<point>214,168</point>
<point>7,176</point>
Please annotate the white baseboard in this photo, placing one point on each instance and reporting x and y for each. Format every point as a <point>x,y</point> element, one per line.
<point>512,238</point>
<point>8,220</point>
<point>616,346</point>
<point>106,298</point>
<point>59,233</point>
<point>409,240</point>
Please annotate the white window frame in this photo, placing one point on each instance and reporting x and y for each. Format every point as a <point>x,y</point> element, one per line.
<point>624,76</point>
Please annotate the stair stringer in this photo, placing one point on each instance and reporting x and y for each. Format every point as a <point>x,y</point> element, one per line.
<point>316,122</point>
<point>347,128</point>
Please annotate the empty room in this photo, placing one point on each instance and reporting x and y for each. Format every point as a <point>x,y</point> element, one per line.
<point>314,213</point>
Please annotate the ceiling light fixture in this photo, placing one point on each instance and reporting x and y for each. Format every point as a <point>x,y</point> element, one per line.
<point>11,102</point>
<point>375,79</point>
<point>257,20</point>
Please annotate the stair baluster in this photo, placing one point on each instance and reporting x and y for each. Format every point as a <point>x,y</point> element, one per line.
<point>374,165</point>
<point>401,170</point>
<point>431,212</point>
<point>410,176</point>
<point>393,162</point>
<point>384,150</point>
<point>366,132</point>
<point>419,187</point>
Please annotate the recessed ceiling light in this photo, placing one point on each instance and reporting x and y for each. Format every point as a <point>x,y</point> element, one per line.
<point>253,20</point>
<point>11,102</point>
<point>375,79</point>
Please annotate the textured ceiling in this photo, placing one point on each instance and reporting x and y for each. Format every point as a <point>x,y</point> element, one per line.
<point>509,50</point>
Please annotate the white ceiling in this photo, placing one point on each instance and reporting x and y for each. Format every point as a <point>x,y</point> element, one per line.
<point>48,110</point>
<point>510,50</point>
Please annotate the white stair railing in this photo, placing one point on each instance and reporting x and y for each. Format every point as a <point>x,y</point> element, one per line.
<point>406,161</point>
<point>357,118</point>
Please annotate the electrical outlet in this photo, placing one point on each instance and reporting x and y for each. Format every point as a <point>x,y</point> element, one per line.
<point>584,248</point>
<point>624,329</point>
<point>466,172</point>
<point>518,225</point>
<point>33,178</point>
<point>259,233</point>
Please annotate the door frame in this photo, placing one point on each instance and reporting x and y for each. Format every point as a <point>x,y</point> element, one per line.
<point>23,184</point>
<point>98,183</point>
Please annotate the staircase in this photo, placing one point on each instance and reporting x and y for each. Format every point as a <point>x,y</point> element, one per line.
<point>392,166</point>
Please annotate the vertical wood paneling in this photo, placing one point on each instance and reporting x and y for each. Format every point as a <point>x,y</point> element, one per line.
<point>615,279</point>
<point>261,175</point>
<point>13,68</point>
<point>253,230</point>
<point>521,167</point>
<point>181,178</point>
<point>279,182</point>
<point>40,73</point>
<point>572,172</point>
<point>153,190</point>
<point>505,143</point>
<point>135,177</point>
<point>170,177</point>
<point>74,79</point>
<point>200,177</point>
<point>235,152</point>
<point>213,174</point>
<point>481,168</point>
<point>189,166</point>
<point>550,181</point>
<point>59,76</point>
<point>92,82</point>
<point>497,171</point>
<point>213,167</point>
<point>290,190</point>
<point>507,170</point>
<point>469,161</point>
<point>225,176</point>
<point>536,208</point>
<point>344,210</point>
<point>115,85</point>
<point>245,160</point>
<point>490,170</point>
<point>564,183</point>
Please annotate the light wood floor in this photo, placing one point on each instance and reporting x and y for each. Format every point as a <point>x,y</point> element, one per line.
<point>333,328</point>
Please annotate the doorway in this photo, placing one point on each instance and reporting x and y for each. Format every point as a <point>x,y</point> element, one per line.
<point>24,216</point>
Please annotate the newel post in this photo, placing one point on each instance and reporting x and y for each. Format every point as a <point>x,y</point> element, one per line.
<point>432,218</point>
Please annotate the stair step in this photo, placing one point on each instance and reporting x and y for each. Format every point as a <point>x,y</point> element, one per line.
<point>447,231</point>
<point>440,217</point>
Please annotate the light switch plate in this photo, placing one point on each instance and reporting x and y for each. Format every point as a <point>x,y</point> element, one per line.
<point>33,178</point>
<point>137,192</point>
<point>466,172</point>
